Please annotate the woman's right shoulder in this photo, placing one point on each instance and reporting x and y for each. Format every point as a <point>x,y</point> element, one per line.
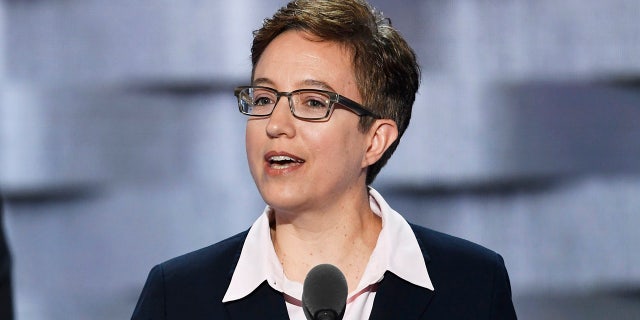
<point>218,255</point>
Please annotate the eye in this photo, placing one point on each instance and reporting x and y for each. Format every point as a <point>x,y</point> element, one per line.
<point>314,100</point>
<point>314,103</point>
<point>261,97</point>
<point>262,101</point>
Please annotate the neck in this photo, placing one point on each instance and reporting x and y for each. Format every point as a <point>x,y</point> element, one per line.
<point>343,234</point>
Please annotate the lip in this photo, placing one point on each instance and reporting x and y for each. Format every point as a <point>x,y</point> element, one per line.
<point>279,163</point>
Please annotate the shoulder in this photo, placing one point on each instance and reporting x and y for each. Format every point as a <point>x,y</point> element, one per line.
<point>461,270</point>
<point>441,246</point>
<point>452,259</point>
<point>205,270</point>
<point>220,256</point>
<point>459,265</point>
<point>178,287</point>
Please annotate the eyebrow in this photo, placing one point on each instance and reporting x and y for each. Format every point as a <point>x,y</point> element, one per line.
<point>262,81</point>
<point>309,82</point>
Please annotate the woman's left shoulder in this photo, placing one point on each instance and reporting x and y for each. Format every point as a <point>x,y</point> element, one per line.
<point>441,246</point>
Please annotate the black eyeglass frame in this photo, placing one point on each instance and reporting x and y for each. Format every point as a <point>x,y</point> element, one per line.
<point>334,98</point>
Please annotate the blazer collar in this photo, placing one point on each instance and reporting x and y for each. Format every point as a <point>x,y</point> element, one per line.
<point>399,299</point>
<point>263,303</point>
<point>395,299</point>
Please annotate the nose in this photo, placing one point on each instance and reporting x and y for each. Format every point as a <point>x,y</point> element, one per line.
<point>281,121</point>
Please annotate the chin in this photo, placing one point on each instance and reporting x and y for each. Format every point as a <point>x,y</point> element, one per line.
<point>283,199</point>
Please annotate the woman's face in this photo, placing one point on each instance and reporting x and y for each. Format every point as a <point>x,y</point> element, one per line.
<point>301,165</point>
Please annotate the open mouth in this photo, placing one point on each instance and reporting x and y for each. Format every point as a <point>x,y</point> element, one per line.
<point>283,162</point>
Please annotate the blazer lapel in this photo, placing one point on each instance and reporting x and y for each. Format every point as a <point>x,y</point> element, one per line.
<point>399,299</point>
<point>263,303</point>
<point>395,299</point>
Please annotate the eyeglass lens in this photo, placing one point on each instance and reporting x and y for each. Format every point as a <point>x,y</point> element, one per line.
<point>308,104</point>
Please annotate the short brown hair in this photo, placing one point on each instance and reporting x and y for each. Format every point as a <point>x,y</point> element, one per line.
<point>386,68</point>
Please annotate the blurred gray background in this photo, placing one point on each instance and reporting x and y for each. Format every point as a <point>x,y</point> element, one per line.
<point>121,145</point>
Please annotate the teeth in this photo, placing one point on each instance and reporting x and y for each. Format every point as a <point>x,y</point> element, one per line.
<point>281,158</point>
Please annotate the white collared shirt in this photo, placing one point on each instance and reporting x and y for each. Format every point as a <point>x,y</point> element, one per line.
<point>397,251</point>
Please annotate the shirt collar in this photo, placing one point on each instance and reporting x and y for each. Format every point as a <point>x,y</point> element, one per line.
<point>397,246</point>
<point>258,262</point>
<point>395,251</point>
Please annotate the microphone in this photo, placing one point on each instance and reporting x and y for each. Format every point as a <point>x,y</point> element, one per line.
<point>324,293</point>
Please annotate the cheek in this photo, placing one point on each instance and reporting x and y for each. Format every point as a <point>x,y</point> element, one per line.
<point>252,143</point>
<point>339,150</point>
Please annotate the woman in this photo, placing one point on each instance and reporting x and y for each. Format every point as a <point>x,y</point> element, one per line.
<point>331,94</point>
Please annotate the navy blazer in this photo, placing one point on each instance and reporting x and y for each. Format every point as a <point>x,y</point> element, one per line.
<point>470,282</point>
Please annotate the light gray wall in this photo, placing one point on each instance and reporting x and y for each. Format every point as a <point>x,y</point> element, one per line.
<point>121,146</point>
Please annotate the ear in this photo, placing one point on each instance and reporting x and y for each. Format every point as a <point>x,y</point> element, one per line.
<point>381,135</point>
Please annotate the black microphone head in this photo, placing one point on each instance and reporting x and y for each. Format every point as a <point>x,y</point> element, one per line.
<point>324,294</point>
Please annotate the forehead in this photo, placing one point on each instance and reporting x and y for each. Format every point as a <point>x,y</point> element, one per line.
<point>296,57</point>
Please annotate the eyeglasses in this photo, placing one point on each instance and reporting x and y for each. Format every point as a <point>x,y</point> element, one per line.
<point>307,104</point>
